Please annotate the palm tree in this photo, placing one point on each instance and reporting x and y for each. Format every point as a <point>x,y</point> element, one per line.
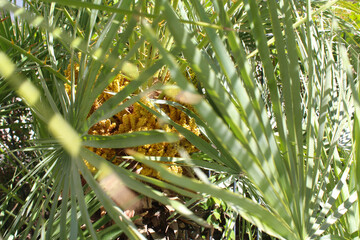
<point>271,138</point>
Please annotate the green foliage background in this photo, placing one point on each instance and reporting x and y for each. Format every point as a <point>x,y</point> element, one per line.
<point>279,87</point>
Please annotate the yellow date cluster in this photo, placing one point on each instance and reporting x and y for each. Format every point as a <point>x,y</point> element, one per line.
<point>136,118</point>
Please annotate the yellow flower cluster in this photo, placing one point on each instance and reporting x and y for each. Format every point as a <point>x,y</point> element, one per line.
<point>136,118</point>
<point>139,119</point>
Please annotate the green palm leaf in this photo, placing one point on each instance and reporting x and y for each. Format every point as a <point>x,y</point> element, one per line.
<point>276,130</point>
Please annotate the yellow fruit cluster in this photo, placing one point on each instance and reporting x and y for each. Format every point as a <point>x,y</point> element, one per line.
<point>136,118</point>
